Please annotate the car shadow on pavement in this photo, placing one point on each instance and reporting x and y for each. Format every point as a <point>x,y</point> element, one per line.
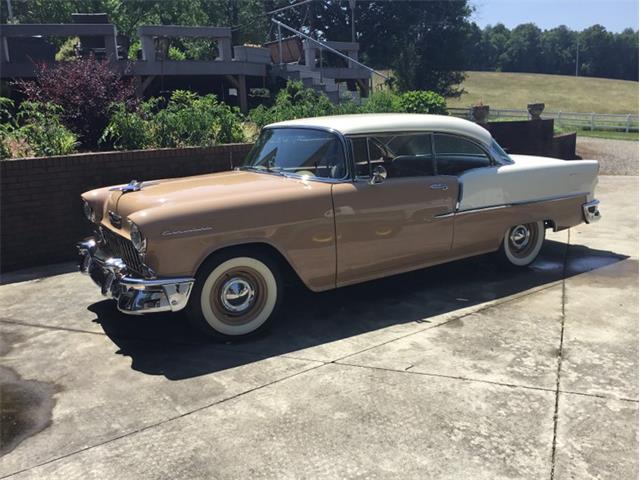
<point>164,344</point>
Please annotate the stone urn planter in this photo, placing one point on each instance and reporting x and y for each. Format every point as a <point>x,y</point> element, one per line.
<point>535,110</point>
<point>480,113</point>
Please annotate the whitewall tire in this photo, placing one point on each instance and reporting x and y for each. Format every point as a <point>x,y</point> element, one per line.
<point>235,295</point>
<point>522,244</point>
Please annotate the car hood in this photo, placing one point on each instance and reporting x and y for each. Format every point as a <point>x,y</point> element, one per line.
<point>216,188</point>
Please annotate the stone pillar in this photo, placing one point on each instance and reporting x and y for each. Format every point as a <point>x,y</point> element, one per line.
<point>352,54</point>
<point>242,93</point>
<point>111,45</point>
<point>224,48</point>
<point>309,54</point>
<point>148,48</point>
<point>4,50</point>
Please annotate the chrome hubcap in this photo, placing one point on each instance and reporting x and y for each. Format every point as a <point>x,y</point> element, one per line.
<point>519,236</point>
<point>237,295</point>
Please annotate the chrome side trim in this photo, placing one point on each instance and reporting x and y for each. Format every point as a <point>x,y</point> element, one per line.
<point>523,202</point>
<point>168,233</point>
<point>591,211</point>
<point>445,215</point>
<point>483,209</point>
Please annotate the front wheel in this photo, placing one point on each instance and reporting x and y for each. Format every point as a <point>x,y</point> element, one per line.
<point>235,295</point>
<point>521,244</point>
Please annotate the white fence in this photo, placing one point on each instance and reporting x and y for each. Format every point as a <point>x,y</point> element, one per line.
<point>583,121</point>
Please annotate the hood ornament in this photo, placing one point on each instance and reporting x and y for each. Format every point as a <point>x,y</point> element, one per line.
<point>132,186</point>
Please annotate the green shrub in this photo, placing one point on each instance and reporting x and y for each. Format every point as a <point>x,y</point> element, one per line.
<point>187,120</point>
<point>423,101</point>
<point>190,120</point>
<point>381,102</point>
<point>35,130</point>
<point>293,101</point>
<point>129,130</point>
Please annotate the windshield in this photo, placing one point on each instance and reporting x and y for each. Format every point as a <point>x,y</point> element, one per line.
<point>298,151</point>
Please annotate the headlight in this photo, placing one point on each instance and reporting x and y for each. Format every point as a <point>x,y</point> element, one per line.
<point>138,240</point>
<point>88,211</point>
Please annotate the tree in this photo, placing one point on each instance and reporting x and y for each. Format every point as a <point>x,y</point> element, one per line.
<point>626,47</point>
<point>597,55</point>
<point>497,37</point>
<point>424,42</point>
<point>523,53</point>
<point>558,51</point>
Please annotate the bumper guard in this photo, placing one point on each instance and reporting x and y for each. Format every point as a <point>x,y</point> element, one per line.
<point>134,295</point>
<point>591,211</point>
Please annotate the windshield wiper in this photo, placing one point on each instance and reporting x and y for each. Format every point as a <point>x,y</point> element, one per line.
<point>263,168</point>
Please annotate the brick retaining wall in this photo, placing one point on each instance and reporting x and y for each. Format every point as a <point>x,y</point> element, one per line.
<point>40,210</point>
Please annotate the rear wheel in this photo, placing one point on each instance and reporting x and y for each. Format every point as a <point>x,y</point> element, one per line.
<point>236,294</point>
<point>521,244</point>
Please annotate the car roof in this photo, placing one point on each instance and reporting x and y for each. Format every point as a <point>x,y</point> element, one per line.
<point>391,122</point>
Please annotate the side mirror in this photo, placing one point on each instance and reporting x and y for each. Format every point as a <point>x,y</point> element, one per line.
<point>378,175</point>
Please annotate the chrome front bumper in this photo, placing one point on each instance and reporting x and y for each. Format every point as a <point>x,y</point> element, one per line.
<point>134,295</point>
<point>591,211</point>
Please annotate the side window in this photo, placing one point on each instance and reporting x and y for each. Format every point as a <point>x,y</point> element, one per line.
<point>361,156</point>
<point>400,155</point>
<point>455,155</point>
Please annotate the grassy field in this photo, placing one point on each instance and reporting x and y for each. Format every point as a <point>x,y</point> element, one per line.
<point>558,92</point>
<point>612,135</point>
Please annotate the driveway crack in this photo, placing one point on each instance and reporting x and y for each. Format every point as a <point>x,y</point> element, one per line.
<point>560,356</point>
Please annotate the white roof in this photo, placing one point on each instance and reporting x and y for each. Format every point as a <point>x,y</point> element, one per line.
<point>392,122</point>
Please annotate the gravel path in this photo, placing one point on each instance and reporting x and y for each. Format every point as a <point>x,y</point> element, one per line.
<point>616,157</point>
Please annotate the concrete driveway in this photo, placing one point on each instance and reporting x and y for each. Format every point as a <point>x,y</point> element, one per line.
<point>452,372</point>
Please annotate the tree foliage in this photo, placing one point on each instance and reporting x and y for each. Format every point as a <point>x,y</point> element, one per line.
<point>527,48</point>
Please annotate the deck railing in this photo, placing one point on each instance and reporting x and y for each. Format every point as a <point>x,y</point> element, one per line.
<point>323,46</point>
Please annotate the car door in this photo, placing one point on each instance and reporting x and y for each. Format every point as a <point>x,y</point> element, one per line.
<point>400,223</point>
<point>476,230</point>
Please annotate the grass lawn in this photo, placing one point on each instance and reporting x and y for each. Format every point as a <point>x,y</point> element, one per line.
<point>559,92</point>
<point>613,135</point>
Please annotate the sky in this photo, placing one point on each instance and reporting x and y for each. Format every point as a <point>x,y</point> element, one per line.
<point>614,15</point>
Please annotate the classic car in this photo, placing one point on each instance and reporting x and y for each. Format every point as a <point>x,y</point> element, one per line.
<point>331,201</point>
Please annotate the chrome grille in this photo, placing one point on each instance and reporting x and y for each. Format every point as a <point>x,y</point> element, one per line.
<point>121,247</point>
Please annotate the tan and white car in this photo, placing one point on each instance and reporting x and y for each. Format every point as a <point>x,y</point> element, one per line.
<point>330,200</point>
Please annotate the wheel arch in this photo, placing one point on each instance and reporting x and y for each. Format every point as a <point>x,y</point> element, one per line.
<point>262,247</point>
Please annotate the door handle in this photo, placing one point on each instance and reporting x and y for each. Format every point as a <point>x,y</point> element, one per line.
<point>439,186</point>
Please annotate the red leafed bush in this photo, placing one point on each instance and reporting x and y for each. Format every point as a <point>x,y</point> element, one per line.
<point>84,89</point>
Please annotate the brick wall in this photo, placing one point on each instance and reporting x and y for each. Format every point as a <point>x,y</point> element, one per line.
<point>40,210</point>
